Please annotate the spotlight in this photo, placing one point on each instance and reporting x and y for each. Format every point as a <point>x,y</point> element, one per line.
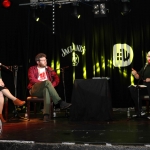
<point>6,3</point>
<point>75,11</point>
<point>100,10</point>
<point>35,17</point>
<point>126,8</point>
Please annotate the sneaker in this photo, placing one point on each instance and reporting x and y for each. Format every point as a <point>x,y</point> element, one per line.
<point>46,118</point>
<point>142,114</point>
<point>64,105</point>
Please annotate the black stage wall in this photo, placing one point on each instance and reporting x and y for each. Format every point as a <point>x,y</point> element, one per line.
<point>22,38</point>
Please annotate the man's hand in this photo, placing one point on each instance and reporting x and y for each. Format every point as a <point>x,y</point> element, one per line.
<point>134,72</point>
<point>147,80</point>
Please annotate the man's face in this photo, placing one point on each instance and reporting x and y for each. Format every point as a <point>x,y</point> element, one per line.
<point>148,57</point>
<point>42,62</point>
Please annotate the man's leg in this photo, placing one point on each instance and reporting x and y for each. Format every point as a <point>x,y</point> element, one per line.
<point>47,101</point>
<point>37,90</point>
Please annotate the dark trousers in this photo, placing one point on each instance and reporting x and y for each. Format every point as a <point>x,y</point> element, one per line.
<point>46,90</point>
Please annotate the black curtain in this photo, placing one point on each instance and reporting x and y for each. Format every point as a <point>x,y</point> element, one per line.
<point>22,38</point>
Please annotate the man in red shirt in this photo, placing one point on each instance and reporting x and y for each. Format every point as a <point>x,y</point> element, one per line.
<point>42,80</point>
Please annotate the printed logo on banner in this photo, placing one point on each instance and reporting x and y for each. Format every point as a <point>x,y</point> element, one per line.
<point>122,55</point>
<point>73,49</point>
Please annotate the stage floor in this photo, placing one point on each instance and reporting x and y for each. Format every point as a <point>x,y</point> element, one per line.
<point>120,131</point>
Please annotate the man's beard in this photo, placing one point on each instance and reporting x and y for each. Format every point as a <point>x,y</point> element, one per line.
<point>42,66</point>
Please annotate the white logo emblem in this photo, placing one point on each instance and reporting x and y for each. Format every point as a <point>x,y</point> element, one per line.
<point>122,55</point>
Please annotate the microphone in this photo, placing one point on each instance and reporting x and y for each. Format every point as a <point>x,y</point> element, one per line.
<point>64,67</point>
<point>3,66</point>
<point>145,66</point>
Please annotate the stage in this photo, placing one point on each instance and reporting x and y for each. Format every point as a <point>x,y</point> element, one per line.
<point>61,133</point>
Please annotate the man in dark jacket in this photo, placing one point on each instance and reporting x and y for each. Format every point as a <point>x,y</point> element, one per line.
<point>42,80</point>
<point>144,76</point>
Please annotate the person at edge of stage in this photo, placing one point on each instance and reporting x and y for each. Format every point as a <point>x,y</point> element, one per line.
<point>144,76</point>
<point>42,82</point>
<point>5,92</point>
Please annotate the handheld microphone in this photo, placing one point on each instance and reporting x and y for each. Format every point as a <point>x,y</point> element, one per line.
<point>3,66</point>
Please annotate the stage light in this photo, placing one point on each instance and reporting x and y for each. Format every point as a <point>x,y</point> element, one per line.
<point>126,7</point>
<point>75,11</point>
<point>100,10</point>
<point>35,17</point>
<point>6,3</point>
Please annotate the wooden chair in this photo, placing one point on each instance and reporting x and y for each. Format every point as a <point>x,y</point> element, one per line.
<point>36,100</point>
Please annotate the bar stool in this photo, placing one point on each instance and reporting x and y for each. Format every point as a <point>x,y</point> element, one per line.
<point>146,98</point>
<point>36,100</point>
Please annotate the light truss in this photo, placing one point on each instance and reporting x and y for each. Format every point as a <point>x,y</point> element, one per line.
<point>59,2</point>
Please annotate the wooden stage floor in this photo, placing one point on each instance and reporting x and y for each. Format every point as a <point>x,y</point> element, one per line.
<point>120,131</point>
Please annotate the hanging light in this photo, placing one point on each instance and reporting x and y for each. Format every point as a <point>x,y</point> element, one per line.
<point>126,7</point>
<point>75,11</point>
<point>35,17</point>
<point>6,3</point>
<point>100,10</point>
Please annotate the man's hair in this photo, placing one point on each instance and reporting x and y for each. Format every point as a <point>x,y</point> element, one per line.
<point>40,55</point>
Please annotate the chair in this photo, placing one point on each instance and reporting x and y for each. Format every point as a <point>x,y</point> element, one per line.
<point>35,100</point>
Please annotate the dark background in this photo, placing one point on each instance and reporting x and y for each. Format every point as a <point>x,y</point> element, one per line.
<point>21,38</point>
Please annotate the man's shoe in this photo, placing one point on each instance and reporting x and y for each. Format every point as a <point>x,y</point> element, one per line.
<point>64,105</point>
<point>142,114</point>
<point>46,118</point>
<point>19,102</point>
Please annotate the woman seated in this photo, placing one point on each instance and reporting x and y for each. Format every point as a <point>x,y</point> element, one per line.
<point>5,92</point>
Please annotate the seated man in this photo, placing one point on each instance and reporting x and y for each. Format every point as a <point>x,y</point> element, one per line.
<point>144,75</point>
<point>42,80</point>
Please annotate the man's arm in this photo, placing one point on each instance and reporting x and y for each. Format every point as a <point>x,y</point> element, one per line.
<point>32,76</point>
<point>54,78</point>
<point>135,74</point>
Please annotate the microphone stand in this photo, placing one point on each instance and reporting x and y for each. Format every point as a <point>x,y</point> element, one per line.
<point>63,80</point>
<point>15,112</point>
<point>138,94</point>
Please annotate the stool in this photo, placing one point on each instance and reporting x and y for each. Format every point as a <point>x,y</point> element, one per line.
<point>146,98</point>
<point>35,100</point>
